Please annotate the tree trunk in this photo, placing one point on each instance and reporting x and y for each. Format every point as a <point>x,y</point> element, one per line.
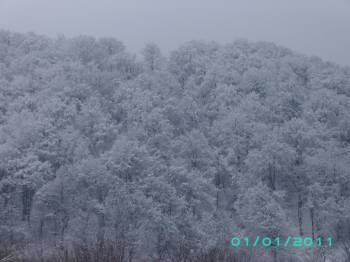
<point>312,218</point>
<point>272,176</point>
<point>274,254</point>
<point>300,215</point>
<point>217,199</point>
<point>27,199</point>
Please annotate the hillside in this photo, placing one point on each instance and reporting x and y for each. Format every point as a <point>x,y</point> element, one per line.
<point>109,156</point>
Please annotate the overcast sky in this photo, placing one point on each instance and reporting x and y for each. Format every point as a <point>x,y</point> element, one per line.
<point>314,27</point>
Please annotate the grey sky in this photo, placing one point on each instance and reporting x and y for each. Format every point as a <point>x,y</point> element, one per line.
<point>315,27</point>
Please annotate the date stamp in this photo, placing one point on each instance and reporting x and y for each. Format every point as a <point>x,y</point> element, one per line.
<point>279,242</point>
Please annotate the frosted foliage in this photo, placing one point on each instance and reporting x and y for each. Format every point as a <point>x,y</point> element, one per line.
<point>109,156</point>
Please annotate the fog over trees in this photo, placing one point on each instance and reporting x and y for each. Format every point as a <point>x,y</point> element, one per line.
<point>112,156</point>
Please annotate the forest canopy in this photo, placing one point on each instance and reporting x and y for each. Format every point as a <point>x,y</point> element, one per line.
<point>165,158</point>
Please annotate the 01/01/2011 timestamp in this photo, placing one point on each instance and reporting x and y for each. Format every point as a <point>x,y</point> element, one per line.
<point>287,242</point>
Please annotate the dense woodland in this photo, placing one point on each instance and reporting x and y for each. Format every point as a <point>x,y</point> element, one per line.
<point>110,156</point>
